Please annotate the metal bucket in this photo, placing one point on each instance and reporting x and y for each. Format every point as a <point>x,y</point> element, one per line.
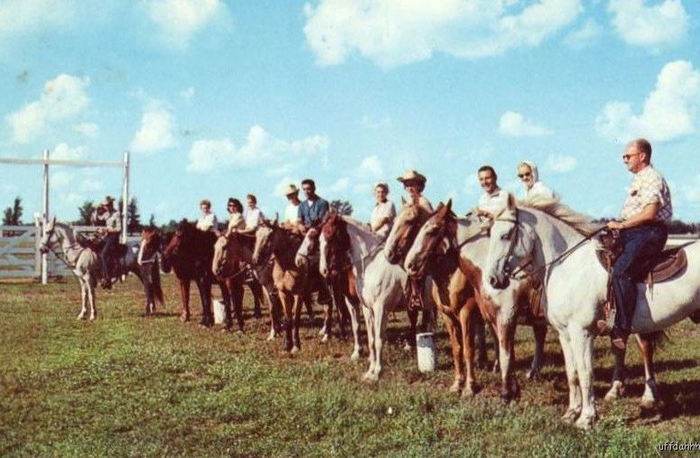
<point>425,348</point>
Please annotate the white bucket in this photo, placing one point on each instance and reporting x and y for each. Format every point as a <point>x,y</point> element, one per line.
<point>426,352</point>
<point>219,311</point>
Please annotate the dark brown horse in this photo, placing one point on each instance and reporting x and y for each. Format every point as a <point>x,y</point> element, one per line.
<point>149,269</point>
<point>189,253</point>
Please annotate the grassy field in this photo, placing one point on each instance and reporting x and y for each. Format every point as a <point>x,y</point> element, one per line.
<point>127,385</point>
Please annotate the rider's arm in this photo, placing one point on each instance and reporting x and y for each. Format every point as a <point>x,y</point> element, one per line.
<point>647,215</point>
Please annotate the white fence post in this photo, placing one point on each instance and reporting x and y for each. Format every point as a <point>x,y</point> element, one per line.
<point>45,256</point>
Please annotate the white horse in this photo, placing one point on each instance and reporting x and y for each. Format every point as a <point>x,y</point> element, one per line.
<point>380,285</point>
<point>575,289</point>
<point>84,262</point>
<point>342,287</point>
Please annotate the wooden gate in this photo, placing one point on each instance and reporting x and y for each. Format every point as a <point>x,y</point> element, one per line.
<point>19,254</point>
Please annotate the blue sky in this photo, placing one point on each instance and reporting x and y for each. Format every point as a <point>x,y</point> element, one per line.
<point>224,98</point>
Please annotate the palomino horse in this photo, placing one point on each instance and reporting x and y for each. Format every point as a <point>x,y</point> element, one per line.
<point>189,252</point>
<point>227,266</point>
<point>380,285</point>
<point>341,283</point>
<point>339,274</point>
<point>149,269</point>
<point>575,289</point>
<point>459,294</point>
<point>280,244</point>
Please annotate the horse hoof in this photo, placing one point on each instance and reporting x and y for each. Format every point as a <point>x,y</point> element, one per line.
<point>455,387</point>
<point>570,416</point>
<point>324,338</point>
<point>468,392</point>
<point>184,318</point>
<point>355,356</point>
<point>648,404</point>
<point>533,374</point>
<point>294,350</point>
<point>80,317</point>
<point>407,347</point>
<point>584,423</point>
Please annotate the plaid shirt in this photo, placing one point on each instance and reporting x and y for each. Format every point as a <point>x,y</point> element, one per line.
<point>648,187</point>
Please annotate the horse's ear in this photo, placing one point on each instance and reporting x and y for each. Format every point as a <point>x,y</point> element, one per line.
<point>449,205</point>
<point>53,220</point>
<point>511,202</point>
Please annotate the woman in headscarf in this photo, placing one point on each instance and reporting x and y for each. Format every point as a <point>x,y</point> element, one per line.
<point>534,188</point>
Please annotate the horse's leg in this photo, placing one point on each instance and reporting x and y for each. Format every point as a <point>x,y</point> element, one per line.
<point>646,347</point>
<point>574,408</point>
<point>582,347</point>
<point>274,311</point>
<point>540,331</point>
<point>297,321</point>
<point>353,308</point>
<point>256,290</point>
<point>342,308</point>
<point>237,301</point>
<point>372,351</point>
<point>328,315</point>
<point>91,284</point>
<point>617,388</point>
<point>204,287</point>
<point>227,295</point>
<point>185,297</point>
<point>83,298</point>
<point>456,344</point>
<point>411,332</point>
<point>506,336</point>
<point>477,337</point>
<point>309,308</point>
<point>380,320</point>
<point>287,305</point>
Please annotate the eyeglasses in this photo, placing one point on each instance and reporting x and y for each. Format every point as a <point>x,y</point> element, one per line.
<point>626,157</point>
<point>523,175</point>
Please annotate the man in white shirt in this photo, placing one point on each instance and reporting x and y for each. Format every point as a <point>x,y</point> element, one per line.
<point>494,200</point>
<point>383,213</point>
<point>253,215</point>
<point>208,221</point>
<point>291,212</point>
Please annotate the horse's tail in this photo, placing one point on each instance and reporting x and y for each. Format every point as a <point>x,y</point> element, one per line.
<point>157,289</point>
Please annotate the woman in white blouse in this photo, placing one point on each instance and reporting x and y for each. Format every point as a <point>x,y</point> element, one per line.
<point>534,188</point>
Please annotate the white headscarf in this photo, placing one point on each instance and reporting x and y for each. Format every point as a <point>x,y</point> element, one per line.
<point>533,170</point>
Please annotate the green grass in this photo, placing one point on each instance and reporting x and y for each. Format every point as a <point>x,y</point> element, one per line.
<point>127,385</point>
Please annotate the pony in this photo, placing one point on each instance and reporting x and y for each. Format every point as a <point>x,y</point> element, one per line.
<point>280,245</point>
<point>341,283</point>
<point>189,253</point>
<point>453,252</point>
<point>149,268</point>
<point>380,284</point>
<point>84,261</point>
<point>339,274</point>
<point>559,245</point>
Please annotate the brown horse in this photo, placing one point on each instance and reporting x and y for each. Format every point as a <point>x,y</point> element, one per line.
<point>280,244</point>
<point>339,274</point>
<point>229,269</point>
<point>449,249</point>
<point>149,269</point>
<point>189,253</point>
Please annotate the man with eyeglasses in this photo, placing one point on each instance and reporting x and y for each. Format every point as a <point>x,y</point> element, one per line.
<point>643,234</point>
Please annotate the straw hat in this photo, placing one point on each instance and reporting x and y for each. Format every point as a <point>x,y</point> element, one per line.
<point>412,176</point>
<point>290,189</point>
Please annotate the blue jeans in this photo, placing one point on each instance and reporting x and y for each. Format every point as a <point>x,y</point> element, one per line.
<point>641,244</point>
<point>111,242</point>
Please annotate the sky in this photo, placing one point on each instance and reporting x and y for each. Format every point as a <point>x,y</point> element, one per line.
<point>219,98</point>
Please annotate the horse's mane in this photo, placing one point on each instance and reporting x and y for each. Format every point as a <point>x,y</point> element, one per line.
<point>577,221</point>
<point>360,226</point>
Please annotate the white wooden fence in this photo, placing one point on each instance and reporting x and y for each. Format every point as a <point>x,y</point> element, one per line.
<point>19,252</point>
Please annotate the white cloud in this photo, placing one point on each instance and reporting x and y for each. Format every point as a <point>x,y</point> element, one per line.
<point>670,111</point>
<point>369,123</point>
<point>156,131</point>
<point>584,35</point>
<point>280,188</point>
<point>61,179</point>
<point>179,20</point>
<point>560,163</point>
<point>663,24</point>
<point>91,185</point>
<point>72,199</point>
<point>259,148</point>
<point>65,152</point>
<point>340,186</point>
<point>18,18</point>
<point>187,94</point>
<point>62,98</point>
<point>395,32</point>
<point>89,129</point>
<point>371,165</point>
<point>515,125</point>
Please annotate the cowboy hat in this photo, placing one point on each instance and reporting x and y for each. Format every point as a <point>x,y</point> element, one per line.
<point>290,189</point>
<point>412,175</point>
<point>108,200</point>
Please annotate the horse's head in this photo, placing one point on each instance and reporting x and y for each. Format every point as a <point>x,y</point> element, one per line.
<point>403,232</point>
<point>510,242</point>
<point>308,247</point>
<point>47,235</point>
<point>151,243</point>
<point>433,237</point>
<point>334,244</point>
<point>220,255</point>
<point>173,247</point>
<point>264,236</point>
